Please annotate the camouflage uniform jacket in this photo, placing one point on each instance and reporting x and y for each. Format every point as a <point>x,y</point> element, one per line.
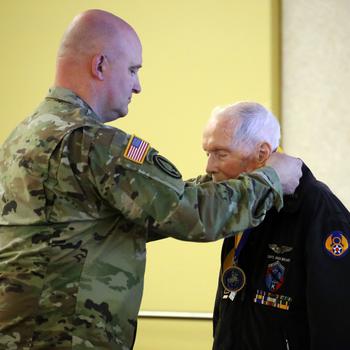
<point>75,215</point>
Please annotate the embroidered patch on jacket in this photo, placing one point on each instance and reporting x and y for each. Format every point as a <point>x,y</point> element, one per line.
<point>280,249</point>
<point>275,300</point>
<point>166,166</point>
<point>274,277</point>
<point>136,150</point>
<point>336,244</point>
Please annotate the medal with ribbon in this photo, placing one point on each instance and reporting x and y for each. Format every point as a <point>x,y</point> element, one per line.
<point>233,277</point>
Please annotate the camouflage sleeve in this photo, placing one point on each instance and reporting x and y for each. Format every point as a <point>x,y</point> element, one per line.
<point>153,195</point>
<point>153,235</point>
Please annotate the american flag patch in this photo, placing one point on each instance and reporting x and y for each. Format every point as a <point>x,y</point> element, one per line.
<point>136,150</point>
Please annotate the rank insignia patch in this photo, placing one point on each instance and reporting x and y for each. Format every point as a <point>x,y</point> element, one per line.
<point>274,276</point>
<point>336,244</point>
<point>136,150</point>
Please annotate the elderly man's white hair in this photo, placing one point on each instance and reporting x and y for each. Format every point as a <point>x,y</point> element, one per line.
<point>255,124</point>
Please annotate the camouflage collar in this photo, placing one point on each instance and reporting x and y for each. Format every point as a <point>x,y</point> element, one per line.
<point>66,95</point>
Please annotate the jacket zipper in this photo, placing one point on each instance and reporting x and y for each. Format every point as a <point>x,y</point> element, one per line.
<point>287,344</point>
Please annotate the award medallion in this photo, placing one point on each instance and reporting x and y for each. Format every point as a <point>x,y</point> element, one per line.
<point>233,279</point>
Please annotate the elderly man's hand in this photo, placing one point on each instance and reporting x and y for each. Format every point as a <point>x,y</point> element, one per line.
<point>288,169</point>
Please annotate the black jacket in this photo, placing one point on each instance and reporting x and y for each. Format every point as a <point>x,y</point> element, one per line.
<point>297,294</point>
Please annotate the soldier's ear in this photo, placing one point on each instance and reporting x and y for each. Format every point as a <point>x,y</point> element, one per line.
<point>263,153</point>
<point>98,66</point>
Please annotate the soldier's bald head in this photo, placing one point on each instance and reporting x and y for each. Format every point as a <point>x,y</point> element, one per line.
<point>93,31</point>
<point>98,59</point>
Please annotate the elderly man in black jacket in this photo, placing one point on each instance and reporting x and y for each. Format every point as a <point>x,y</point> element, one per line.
<point>283,284</point>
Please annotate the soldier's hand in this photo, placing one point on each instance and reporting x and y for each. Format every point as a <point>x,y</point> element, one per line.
<point>288,169</point>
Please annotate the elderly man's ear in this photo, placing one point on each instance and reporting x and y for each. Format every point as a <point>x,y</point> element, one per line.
<point>263,153</point>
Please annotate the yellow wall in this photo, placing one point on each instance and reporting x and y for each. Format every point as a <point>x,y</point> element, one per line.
<point>197,54</point>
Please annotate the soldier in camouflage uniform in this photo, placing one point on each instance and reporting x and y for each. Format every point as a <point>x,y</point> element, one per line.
<point>78,206</point>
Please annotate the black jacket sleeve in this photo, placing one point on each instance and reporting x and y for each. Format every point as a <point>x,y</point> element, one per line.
<point>327,269</point>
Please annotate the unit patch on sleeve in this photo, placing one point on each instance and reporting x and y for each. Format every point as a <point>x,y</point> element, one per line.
<point>166,166</point>
<point>336,244</point>
<point>136,150</point>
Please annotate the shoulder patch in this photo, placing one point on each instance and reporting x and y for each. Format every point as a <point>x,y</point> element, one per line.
<point>136,149</point>
<point>166,166</point>
<point>336,244</point>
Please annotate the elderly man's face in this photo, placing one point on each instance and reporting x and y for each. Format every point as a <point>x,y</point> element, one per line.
<point>224,161</point>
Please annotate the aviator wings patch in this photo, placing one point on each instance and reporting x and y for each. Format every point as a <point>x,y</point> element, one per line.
<point>280,249</point>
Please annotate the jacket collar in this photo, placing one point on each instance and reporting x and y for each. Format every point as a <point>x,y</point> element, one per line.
<point>68,96</point>
<point>293,202</point>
